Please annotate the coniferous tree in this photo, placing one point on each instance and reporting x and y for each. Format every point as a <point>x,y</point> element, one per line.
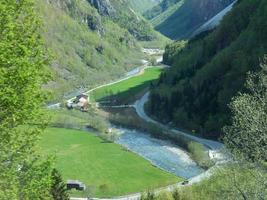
<point>59,188</point>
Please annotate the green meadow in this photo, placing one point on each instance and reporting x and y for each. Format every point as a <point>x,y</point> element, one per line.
<point>106,168</point>
<point>127,87</point>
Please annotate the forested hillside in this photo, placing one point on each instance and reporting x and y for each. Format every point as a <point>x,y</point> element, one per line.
<point>178,19</point>
<point>210,70</point>
<point>91,41</point>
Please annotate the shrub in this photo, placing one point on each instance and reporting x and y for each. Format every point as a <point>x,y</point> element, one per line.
<point>200,154</point>
<point>165,196</point>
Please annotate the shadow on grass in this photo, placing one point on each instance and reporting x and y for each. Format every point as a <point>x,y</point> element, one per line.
<point>126,97</point>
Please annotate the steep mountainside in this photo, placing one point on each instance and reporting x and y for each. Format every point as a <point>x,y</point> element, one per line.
<point>121,13</point>
<point>178,19</point>
<point>143,5</point>
<point>160,8</point>
<point>89,43</point>
<point>210,70</point>
<point>214,21</point>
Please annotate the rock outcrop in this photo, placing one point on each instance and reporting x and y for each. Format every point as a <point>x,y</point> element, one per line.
<point>104,7</point>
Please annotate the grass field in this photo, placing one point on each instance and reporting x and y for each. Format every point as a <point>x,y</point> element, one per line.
<point>106,168</point>
<point>128,87</point>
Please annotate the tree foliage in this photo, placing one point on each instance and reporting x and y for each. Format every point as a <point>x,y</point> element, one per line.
<point>23,64</point>
<point>247,136</point>
<point>59,188</point>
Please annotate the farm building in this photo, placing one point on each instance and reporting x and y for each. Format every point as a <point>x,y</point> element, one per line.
<point>81,102</point>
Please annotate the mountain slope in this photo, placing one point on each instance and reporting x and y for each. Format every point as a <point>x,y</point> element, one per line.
<point>215,21</point>
<point>210,70</point>
<point>160,8</point>
<point>143,5</point>
<point>121,13</point>
<point>178,19</point>
<point>88,44</point>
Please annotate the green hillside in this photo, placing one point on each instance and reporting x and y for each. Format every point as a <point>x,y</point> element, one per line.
<point>121,13</point>
<point>164,16</point>
<point>178,19</point>
<point>88,47</point>
<point>210,70</point>
<point>160,8</point>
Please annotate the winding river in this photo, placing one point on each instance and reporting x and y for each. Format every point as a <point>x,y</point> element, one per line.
<point>160,153</point>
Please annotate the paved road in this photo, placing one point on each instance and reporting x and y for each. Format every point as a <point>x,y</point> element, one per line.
<point>139,106</point>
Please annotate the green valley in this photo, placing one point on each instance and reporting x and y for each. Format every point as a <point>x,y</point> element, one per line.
<point>133,99</point>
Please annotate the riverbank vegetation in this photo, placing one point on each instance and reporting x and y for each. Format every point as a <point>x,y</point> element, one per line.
<point>74,119</point>
<point>129,119</point>
<point>106,168</point>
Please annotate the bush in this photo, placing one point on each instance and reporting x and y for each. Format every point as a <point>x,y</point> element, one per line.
<point>74,119</point>
<point>109,137</point>
<point>148,196</point>
<point>200,154</point>
<point>165,196</point>
<point>176,194</point>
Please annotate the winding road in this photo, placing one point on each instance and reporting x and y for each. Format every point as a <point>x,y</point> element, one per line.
<point>139,107</point>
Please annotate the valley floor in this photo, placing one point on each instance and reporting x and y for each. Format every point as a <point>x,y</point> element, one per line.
<point>106,168</point>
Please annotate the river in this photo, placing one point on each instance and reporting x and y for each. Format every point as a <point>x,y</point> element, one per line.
<point>160,153</point>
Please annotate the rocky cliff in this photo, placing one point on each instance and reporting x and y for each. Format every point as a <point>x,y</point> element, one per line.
<point>104,7</point>
<point>121,13</point>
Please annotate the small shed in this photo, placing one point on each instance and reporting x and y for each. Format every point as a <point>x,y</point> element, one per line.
<point>75,184</point>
